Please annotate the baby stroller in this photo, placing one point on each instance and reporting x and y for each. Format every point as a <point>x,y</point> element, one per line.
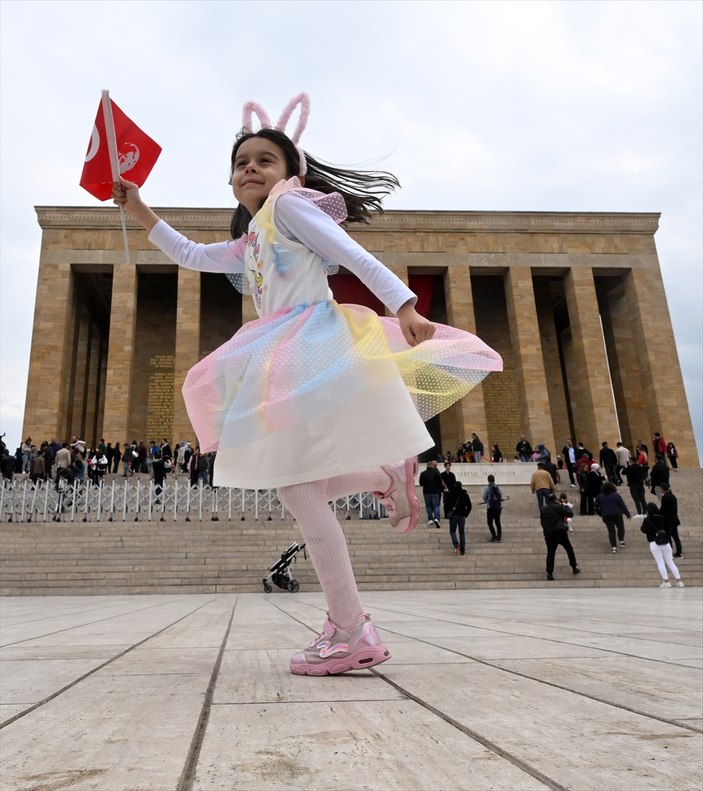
<point>280,571</point>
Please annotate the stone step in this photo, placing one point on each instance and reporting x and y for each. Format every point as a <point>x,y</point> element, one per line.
<point>233,556</point>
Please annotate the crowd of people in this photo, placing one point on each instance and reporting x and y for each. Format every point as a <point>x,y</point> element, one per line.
<point>76,461</point>
<point>597,480</point>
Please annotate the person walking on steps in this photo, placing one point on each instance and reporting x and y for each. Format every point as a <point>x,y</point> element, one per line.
<point>493,498</point>
<point>323,396</point>
<point>448,481</point>
<point>669,510</point>
<point>611,508</point>
<point>432,488</point>
<point>552,517</point>
<point>459,510</point>
<point>659,540</point>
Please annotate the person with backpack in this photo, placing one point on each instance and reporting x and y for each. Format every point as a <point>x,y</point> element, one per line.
<point>493,498</point>
<point>669,510</point>
<point>659,540</point>
<point>611,508</point>
<point>460,507</point>
<point>127,461</point>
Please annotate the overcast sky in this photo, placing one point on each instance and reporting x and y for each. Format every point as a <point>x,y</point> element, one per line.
<point>525,106</point>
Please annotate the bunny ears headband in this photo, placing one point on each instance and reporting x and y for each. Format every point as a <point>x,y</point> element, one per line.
<point>302,100</point>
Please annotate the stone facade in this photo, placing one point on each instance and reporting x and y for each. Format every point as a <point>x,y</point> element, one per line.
<point>567,299</point>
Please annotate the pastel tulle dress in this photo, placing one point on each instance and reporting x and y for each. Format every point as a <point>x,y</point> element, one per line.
<point>314,389</point>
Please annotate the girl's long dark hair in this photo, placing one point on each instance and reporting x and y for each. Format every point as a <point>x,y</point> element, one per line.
<point>363,190</point>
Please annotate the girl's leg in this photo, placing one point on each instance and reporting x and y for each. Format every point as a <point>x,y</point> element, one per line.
<point>658,555</point>
<point>348,640</point>
<point>327,546</point>
<point>393,484</point>
<point>375,480</point>
<point>669,560</point>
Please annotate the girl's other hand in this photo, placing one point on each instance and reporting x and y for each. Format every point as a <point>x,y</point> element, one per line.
<point>415,328</point>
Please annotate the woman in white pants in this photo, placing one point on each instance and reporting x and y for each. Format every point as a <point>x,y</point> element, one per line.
<point>660,546</point>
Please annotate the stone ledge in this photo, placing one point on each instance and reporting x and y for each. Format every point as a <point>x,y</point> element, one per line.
<point>411,220</point>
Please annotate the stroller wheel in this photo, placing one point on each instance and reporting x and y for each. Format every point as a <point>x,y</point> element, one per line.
<point>267,587</point>
<point>294,586</point>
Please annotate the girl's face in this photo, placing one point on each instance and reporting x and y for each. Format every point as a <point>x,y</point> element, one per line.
<point>259,165</point>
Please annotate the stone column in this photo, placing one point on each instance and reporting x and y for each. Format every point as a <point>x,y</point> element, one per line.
<point>552,363</point>
<point>76,393</point>
<point>623,334</point>
<point>120,354</point>
<point>92,428</point>
<point>187,347</point>
<point>529,363</point>
<point>469,414</point>
<point>592,403</point>
<point>663,391</point>
<point>50,356</point>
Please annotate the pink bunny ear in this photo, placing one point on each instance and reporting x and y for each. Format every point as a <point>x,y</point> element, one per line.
<point>261,114</point>
<point>302,100</point>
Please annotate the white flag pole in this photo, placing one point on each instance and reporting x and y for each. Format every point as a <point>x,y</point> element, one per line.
<point>114,162</point>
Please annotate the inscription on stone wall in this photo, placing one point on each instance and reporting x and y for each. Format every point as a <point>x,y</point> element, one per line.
<point>160,401</point>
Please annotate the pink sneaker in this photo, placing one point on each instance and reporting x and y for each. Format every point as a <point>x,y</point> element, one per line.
<point>400,501</point>
<point>337,650</point>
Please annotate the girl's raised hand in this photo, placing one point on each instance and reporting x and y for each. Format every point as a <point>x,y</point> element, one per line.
<point>415,328</point>
<point>126,194</point>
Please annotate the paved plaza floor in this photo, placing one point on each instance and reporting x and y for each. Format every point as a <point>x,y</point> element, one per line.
<point>507,689</point>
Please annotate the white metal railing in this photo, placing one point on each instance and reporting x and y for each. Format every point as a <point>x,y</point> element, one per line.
<point>140,500</point>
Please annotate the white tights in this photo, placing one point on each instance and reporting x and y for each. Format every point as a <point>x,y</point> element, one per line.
<point>324,537</point>
<point>663,555</point>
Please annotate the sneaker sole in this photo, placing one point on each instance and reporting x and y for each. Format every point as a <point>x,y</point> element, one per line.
<point>409,523</point>
<point>362,659</point>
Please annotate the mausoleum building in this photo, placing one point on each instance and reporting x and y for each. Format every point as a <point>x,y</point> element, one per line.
<point>574,303</point>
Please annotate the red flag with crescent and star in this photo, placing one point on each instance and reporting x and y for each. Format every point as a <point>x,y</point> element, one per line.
<point>136,152</point>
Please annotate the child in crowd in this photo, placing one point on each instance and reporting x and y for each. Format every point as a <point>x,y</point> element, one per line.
<point>568,521</point>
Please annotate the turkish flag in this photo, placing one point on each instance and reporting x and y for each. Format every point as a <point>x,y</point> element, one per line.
<point>136,153</point>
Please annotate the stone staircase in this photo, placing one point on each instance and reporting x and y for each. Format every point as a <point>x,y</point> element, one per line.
<point>233,556</point>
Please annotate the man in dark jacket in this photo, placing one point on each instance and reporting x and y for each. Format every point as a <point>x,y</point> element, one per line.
<point>432,488</point>
<point>658,475</point>
<point>459,509</point>
<point>553,517</point>
<point>523,449</point>
<point>669,510</point>
<point>609,462</point>
<point>448,480</point>
<point>636,475</point>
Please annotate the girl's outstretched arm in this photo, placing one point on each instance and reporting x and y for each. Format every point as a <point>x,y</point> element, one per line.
<point>226,257</point>
<point>126,194</point>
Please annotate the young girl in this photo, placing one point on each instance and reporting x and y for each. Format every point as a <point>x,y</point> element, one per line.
<point>316,399</point>
<point>568,521</point>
